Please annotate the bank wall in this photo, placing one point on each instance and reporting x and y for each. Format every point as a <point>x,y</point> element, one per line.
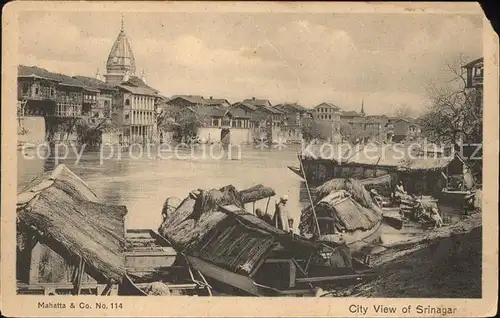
<point>213,135</point>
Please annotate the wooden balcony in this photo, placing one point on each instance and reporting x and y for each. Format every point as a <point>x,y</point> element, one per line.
<point>27,96</point>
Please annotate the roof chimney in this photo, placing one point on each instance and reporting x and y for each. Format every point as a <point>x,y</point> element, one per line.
<point>211,97</point>
<point>253,98</point>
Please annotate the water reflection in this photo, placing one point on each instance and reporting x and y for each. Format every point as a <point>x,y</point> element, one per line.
<point>144,183</point>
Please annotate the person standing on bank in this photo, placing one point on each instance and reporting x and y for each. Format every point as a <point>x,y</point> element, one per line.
<point>280,219</point>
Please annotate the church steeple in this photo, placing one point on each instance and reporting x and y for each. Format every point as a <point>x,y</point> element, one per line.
<point>362,112</point>
<point>121,59</point>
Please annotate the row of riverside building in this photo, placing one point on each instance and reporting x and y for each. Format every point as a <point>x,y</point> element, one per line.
<point>255,119</point>
<point>119,93</point>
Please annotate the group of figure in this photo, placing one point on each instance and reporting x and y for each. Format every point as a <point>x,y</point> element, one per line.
<point>419,210</point>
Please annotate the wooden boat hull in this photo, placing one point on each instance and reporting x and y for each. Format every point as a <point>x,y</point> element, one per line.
<point>213,272</point>
<point>358,240</point>
<point>453,198</point>
<point>297,171</point>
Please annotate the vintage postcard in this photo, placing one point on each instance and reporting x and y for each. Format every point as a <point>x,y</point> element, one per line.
<point>220,158</point>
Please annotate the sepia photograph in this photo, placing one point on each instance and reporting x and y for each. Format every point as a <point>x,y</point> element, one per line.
<point>259,153</point>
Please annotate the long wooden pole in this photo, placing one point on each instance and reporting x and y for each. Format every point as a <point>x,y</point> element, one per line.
<point>81,269</point>
<point>267,205</point>
<point>309,194</point>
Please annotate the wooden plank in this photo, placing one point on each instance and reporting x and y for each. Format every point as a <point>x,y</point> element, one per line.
<point>35,263</point>
<point>292,274</point>
<point>151,253</point>
<point>171,286</point>
<point>239,281</point>
<point>334,278</point>
<point>81,270</point>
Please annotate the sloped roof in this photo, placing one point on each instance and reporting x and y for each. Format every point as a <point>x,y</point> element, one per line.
<point>138,90</point>
<point>211,111</point>
<point>257,102</point>
<point>271,110</point>
<point>473,63</point>
<point>194,99</point>
<point>295,106</point>
<point>95,83</point>
<point>213,226</point>
<point>238,113</point>
<point>330,105</point>
<point>216,101</point>
<point>24,71</point>
<point>135,81</point>
<point>248,106</point>
<point>388,156</point>
<point>62,209</point>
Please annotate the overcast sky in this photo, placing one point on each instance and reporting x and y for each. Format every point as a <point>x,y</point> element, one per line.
<point>386,60</point>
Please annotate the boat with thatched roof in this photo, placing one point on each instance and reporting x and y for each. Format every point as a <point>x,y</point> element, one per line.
<point>422,174</point>
<point>240,254</point>
<point>68,241</point>
<point>342,210</point>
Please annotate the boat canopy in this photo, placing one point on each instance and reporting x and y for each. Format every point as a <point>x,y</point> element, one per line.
<point>394,157</point>
<point>63,212</point>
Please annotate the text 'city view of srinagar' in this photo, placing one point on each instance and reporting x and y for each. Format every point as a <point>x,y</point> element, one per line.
<point>340,155</point>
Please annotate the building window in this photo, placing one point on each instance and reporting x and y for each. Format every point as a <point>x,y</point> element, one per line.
<point>25,88</point>
<point>329,116</point>
<point>127,102</point>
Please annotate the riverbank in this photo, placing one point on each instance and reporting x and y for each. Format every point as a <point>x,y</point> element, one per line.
<point>446,263</point>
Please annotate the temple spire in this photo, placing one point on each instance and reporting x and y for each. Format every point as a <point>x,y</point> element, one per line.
<point>362,108</point>
<point>122,27</point>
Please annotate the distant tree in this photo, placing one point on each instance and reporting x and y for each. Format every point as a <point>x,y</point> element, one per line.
<point>351,134</point>
<point>183,122</point>
<point>403,111</point>
<point>455,112</point>
<point>311,130</point>
<point>455,115</point>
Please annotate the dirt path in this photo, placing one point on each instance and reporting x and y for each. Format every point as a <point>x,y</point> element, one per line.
<point>444,263</point>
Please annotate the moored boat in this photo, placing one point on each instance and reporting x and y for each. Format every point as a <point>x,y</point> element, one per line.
<point>241,254</point>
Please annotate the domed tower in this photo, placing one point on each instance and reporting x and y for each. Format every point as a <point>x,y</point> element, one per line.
<point>120,60</point>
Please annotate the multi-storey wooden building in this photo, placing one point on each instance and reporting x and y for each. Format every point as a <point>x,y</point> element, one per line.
<point>475,73</point>
<point>43,93</point>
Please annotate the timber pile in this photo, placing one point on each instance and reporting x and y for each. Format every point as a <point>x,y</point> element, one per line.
<point>61,209</point>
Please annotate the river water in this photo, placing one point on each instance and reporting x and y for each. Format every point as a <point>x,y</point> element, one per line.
<point>142,179</point>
